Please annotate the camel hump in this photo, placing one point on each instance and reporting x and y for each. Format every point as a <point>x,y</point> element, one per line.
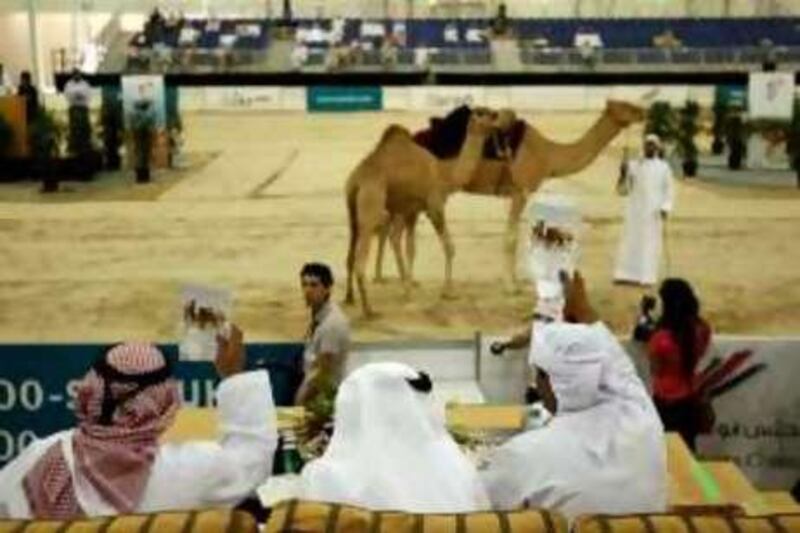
<point>392,131</point>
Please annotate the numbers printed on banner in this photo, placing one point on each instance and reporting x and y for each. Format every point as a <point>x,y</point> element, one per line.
<point>29,395</point>
<point>11,445</point>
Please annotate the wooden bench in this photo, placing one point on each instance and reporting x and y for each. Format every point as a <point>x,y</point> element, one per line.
<point>780,502</point>
<point>735,488</point>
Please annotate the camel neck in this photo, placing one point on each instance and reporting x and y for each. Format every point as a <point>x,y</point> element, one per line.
<point>568,158</point>
<point>464,166</point>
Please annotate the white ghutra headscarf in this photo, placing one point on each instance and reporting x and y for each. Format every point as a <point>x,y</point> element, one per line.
<point>603,451</point>
<point>391,450</point>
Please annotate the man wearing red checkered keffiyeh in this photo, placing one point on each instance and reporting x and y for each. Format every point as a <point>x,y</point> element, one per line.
<point>119,422</point>
<point>112,462</point>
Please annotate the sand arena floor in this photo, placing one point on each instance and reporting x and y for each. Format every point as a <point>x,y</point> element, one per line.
<point>105,261</point>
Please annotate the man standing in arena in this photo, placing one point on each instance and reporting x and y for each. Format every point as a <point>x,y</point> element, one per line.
<point>328,336</point>
<point>648,185</point>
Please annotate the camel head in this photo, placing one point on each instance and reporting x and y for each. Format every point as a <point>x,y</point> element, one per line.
<point>624,113</point>
<point>505,119</point>
<point>482,121</point>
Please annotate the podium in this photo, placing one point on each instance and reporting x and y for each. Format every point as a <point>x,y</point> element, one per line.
<point>12,109</point>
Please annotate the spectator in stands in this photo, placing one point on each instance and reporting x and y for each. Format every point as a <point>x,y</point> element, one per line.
<point>588,42</point>
<point>770,56</point>
<point>328,337</point>
<point>287,11</point>
<point>680,340</point>
<point>389,51</point>
<point>390,449</point>
<point>154,27</point>
<point>501,24</point>
<point>604,450</point>
<point>647,183</point>
<point>28,91</point>
<point>113,463</point>
<point>667,40</point>
<point>450,34</point>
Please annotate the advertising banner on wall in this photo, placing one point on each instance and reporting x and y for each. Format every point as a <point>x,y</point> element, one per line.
<point>771,95</point>
<point>38,384</point>
<point>136,88</point>
<point>334,98</point>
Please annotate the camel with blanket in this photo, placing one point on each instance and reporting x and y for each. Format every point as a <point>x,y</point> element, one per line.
<point>514,164</point>
<point>400,179</point>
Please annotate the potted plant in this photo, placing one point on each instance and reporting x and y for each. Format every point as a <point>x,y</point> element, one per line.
<point>111,124</point>
<point>793,141</point>
<point>661,121</point>
<point>735,138</point>
<point>686,131</point>
<point>46,136</point>
<point>718,128</point>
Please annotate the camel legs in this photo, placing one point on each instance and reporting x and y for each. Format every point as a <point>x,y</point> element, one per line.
<point>512,232</point>
<point>437,219</point>
<point>372,216</point>
<point>383,234</point>
<point>411,245</point>
<point>396,236</point>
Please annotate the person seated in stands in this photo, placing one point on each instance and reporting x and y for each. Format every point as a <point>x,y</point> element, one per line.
<point>501,24</point>
<point>588,42</point>
<point>450,34</point>
<point>154,27</point>
<point>389,51</point>
<point>299,55</point>
<point>390,449</point>
<point>337,30</point>
<point>667,40</point>
<point>603,451</point>
<point>769,55</point>
<point>316,35</point>
<point>112,462</point>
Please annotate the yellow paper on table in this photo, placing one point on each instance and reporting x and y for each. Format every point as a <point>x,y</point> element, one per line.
<point>200,423</point>
<point>486,417</point>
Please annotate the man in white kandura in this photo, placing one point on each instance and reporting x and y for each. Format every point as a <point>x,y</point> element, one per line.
<point>648,184</point>
<point>390,449</point>
<point>113,463</point>
<point>603,450</point>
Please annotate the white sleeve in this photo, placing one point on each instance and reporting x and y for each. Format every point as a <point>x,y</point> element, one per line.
<point>668,189</point>
<point>226,471</point>
<point>13,501</point>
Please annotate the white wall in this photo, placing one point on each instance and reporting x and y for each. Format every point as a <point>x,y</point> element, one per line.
<point>443,99</point>
<point>55,31</point>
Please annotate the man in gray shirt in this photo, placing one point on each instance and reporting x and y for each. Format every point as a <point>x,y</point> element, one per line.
<point>328,336</point>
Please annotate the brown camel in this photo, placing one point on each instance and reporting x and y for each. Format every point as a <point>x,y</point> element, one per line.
<point>536,160</point>
<point>397,181</point>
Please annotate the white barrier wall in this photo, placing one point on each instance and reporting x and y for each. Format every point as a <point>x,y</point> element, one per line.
<point>442,99</point>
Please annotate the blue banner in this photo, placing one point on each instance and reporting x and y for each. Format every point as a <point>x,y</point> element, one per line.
<point>37,384</point>
<point>334,98</point>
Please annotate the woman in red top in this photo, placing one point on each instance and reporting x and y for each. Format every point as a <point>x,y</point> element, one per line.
<point>679,341</point>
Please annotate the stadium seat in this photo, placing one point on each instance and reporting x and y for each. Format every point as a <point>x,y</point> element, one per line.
<point>679,523</point>
<point>295,515</point>
<point>199,521</point>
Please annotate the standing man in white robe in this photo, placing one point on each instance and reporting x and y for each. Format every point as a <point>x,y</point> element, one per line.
<point>390,448</point>
<point>648,184</point>
<point>603,451</point>
<point>113,463</point>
